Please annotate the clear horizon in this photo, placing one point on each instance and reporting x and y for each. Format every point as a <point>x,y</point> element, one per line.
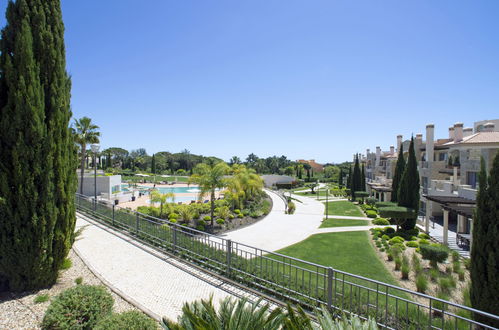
<point>319,80</point>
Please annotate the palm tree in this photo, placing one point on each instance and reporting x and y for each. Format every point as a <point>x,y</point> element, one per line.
<point>209,178</point>
<point>85,132</point>
<point>157,197</point>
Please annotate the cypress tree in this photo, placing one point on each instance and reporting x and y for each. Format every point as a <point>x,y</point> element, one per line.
<point>356,179</point>
<point>153,164</point>
<point>349,178</point>
<point>408,190</point>
<point>485,249</point>
<point>363,178</point>
<point>340,178</point>
<point>109,161</point>
<point>397,176</point>
<point>37,151</point>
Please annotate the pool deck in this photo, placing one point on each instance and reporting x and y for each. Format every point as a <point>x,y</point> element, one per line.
<point>144,199</point>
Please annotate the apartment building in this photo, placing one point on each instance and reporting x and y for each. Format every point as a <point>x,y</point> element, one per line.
<point>448,169</point>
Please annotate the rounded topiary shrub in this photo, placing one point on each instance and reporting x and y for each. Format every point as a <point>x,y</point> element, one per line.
<point>220,221</point>
<point>434,253</point>
<point>396,239</point>
<point>371,214</point>
<point>132,320</point>
<point>389,230</point>
<point>412,244</point>
<point>80,307</point>
<point>381,222</point>
<point>207,218</point>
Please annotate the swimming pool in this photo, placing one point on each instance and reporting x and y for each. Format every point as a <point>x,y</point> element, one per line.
<point>164,190</point>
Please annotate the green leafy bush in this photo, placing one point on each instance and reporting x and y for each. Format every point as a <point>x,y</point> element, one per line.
<point>424,236</point>
<point>389,230</point>
<point>467,263</point>
<point>66,264</point>
<point>41,298</point>
<point>395,240</point>
<point>80,307</point>
<point>173,216</point>
<point>389,256</point>
<point>398,263</point>
<point>131,320</point>
<point>220,221</point>
<point>455,256</point>
<point>434,274</point>
<point>237,211</point>
<point>421,283</point>
<point>405,271</point>
<point>291,208</point>
<point>240,215</point>
<point>385,237</point>
<point>231,216</point>
<point>423,241</point>
<point>207,218</point>
<point>438,306</point>
<point>446,284</point>
<point>381,222</point>
<point>200,227</point>
<point>412,244</point>
<point>416,263</point>
<point>434,253</point>
<point>456,266</point>
<point>79,280</point>
<point>371,214</point>
<point>460,274</point>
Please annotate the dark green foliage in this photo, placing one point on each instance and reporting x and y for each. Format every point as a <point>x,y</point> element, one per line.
<point>385,204</point>
<point>349,179</point>
<point>434,253</point>
<point>131,320</point>
<point>381,222</point>
<point>408,190</point>
<point>363,178</point>
<point>66,264</point>
<point>340,178</point>
<point>153,164</point>
<point>80,307</point>
<point>421,283</point>
<point>41,298</point>
<point>356,178</point>
<point>485,251</point>
<point>397,176</point>
<point>37,152</point>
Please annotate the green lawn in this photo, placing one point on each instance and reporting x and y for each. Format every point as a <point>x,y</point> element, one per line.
<point>349,251</point>
<point>331,222</point>
<point>344,208</point>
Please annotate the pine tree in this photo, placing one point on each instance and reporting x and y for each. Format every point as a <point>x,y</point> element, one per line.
<point>399,170</point>
<point>485,249</point>
<point>408,191</point>
<point>37,151</point>
<point>153,164</point>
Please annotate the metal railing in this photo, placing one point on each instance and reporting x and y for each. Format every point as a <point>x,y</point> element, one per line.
<point>289,279</point>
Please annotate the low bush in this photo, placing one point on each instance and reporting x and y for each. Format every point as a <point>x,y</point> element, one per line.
<point>389,256</point>
<point>220,221</point>
<point>434,274</point>
<point>240,215</point>
<point>423,241</point>
<point>382,249</point>
<point>385,237</point>
<point>231,216</point>
<point>446,284</point>
<point>381,222</point>
<point>424,236</point>
<point>448,270</point>
<point>416,263</point>
<point>79,280</point>
<point>434,253</point>
<point>237,211</point>
<point>378,244</point>
<point>456,266</point>
<point>41,298</point>
<point>207,218</point>
<point>173,216</point>
<point>398,263</point>
<point>291,208</point>
<point>131,320</point>
<point>421,283</point>
<point>412,244</point>
<point>396,239</point>
<point>439,306</point>
<point>200,227</point>
<point>80,307</point>
<point>371,214</point>
<point>66,264</point>
<point>405,271</point>
<point>460,275</point>
<point>389,230</point>
<point>455,256</point>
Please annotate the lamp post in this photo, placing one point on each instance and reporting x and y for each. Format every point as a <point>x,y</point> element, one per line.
<point>95,149</point>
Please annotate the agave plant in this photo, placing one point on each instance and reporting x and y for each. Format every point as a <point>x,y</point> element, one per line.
<point>241,315</point>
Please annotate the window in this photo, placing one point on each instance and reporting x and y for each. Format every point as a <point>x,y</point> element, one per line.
<point>471,179</point>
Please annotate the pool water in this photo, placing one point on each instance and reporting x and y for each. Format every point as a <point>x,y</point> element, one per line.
<point>164,190</point>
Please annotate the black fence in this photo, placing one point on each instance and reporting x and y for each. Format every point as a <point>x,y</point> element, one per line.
<point>288,279</point>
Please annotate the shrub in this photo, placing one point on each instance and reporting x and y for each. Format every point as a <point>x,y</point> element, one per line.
<point>41,298</point>
<point>434,274</point>
<point>131,320</point>
<point>382,249</point>
<point>434,253</point>
<point>173,220</point>
<point>220,221</point>
<point>398,263</point>
<point>416,263</point>
<point>207,218</point>
<point>455,256</point>
<point>448,270</point>
<point>460,275</point>
<point>173,216</point>
<point>456,266</point>
<point>378,244</point>
<point>79,280</point>
<point>412,244</point>
<point>439,306</point>
<point>240,215</point>
<point>389,230</point>
<point>381,222</point>
<point>66,264</point>
<point>423,241</point>
<point>424,236</point>
<point>396,250</point>
<point>237,211</point>
<point>385,237</point>
<point>200,227</point>
<point>371,214</point>
<point>389,256</point>
<point>255,214</point>
<point>291,208</point>
<point>395,240</point>
<point>467,263</point>
<point>421,283</point>
<point>405,271</point>
<point>446,284</point>
<point>80,307</point>
<point>231,216</point>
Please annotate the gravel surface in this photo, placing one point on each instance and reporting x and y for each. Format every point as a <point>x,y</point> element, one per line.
<point>19,311</point>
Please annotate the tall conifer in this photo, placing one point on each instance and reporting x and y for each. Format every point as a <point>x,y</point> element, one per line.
<point>153,164</point>
<point>363,178</point>
<point>37,152</point>
<point>397,176</point>
<point>408,190</point>
<point>356,179</point>
<point>485,249</point>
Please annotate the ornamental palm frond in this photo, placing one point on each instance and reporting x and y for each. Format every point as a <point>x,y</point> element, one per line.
<point>84,132</point>
<point>157,197</point>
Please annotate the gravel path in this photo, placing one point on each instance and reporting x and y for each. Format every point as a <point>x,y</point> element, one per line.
<point>19,311</point>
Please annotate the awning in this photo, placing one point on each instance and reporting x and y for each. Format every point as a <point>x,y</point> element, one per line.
<point>446,200</point>
<point>464,210</point>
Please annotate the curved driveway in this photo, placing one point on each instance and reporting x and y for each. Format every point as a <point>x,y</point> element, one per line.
<point>278,230</point>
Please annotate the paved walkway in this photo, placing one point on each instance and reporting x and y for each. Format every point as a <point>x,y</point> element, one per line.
<point>279,230</point>
<point>158,284</point>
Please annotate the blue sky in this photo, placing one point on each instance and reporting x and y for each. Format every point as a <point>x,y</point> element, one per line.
<point>307,79</point>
